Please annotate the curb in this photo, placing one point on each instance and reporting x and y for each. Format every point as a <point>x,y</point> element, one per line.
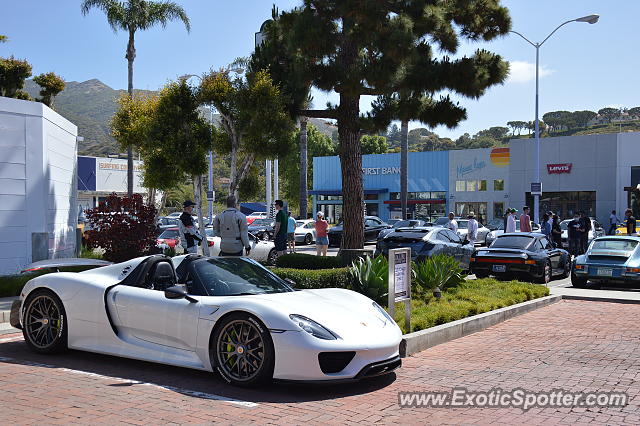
<point>420,340</point>
<point>599,299</point>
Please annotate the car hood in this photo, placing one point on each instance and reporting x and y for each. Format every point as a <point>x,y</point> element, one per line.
<point>348,314</point>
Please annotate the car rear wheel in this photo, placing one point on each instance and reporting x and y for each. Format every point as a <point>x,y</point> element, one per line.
<point>578,282</point>
<point>481,274</point>
<point>567,268</point>
<point>546,273</point>
<point>308,239</point>
<point>271,259</point>
<point>243,350</point>
<point>45,322</point>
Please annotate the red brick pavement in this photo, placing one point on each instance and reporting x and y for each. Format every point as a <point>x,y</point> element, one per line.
<point>573,345</point>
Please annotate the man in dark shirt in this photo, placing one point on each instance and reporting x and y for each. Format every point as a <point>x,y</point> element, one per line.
<point>630,222</point>
<point>573,231</point>
<point>280,230</point>
<point>585,225</point>
<point>188,233</point>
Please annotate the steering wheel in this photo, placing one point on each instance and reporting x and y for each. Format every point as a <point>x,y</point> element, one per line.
<point>221,288</point>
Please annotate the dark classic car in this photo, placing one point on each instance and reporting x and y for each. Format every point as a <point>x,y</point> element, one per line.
<point>262,228</point>
<point>527,255</point>
<point>426,242</point>
<point>372,227</point>
<point>608,260</point>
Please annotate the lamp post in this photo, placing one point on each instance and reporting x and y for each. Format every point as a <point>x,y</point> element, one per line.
<point>591,19</point>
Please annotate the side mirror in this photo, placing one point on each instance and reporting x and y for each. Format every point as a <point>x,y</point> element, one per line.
<point>177,292</point>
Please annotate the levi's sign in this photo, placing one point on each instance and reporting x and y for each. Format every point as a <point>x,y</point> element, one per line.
<point>559,168</point>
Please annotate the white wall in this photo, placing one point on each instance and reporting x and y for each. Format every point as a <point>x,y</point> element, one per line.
<point>37,182</point>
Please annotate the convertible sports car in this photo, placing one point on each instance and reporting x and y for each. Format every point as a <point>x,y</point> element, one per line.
<point>611,259</point>
<point>524,254</point>
<point>228,314</point>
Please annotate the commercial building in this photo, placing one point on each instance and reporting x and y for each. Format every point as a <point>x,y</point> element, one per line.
<point>591,173</point>
<point>38,212</point>
<point>100,176</point>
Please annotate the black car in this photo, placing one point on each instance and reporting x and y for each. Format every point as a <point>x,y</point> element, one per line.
<point>372,227</point>
<point>262,228</point>
<point>426,242</point>
<point>524,254</point>
<point>409,223</point>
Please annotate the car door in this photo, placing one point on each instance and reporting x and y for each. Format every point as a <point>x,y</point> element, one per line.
<point>444,244</point>
<point>371,229</point>
<point>555,256</point>
<point>144,314</point>
<point>462,252</point>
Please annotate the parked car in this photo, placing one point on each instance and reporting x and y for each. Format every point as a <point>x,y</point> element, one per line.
<point>305,231</point>
<point>167,222</point>
<point>492,235</point>
<point>611,259</point>
<point>372,227</point>
<point>262,251</point>
<point>262,228</point>
<point>595,232</point>
<point>170,237</point>
<point>256,215</point>
<point>482,231</point>
<point>426,242</point>
<point>527,255</point>
<point>409,223</point>
<point>494,224</point>
<point>622,229</point>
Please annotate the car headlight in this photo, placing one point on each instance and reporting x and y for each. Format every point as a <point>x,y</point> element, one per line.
<point>312,327</point>
<point>385,314</point>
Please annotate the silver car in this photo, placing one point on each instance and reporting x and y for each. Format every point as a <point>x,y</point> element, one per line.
<point>491,236</point>
<point>305,231</point>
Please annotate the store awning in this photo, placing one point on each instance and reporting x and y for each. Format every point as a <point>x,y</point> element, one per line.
<point>339,191</point>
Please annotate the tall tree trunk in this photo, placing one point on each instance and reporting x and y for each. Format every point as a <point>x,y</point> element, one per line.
<point>197,189</point>
<point>131,55</point>
<point>303,168</point>
<point>404,163</point>
<point>233,172</point>
<point>351,165</point>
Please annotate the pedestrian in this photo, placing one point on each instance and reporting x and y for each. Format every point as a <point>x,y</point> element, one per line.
<point>505,218</point>
<point>556,232</point>
<point>630,222</point>
<point>231,227</point>
<point>545,227</point>
<point>511,221</point>
<point>322,238</point>
<point>189,237</point>
<point>452,224</point>
<point>280,232</point>
<point>585,226</point>
<point>472,229</point>
<point>525,220</point>
<point>550,215</point>
<point>574,235</point>
<point>613,223</point>
<point>291,233</point>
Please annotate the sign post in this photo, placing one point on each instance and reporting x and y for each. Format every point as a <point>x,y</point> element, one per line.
<point>536,188</point>
<point>400,282</point>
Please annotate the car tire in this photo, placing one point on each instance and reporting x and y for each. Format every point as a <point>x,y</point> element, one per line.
<point>566,273</point>
<point>547,273</point>
<point>481,275</point>
<point>271,258</point>
<point>577,281</point>
<point>308,239</point>
<point>245,358</point>
<point>44,308</point>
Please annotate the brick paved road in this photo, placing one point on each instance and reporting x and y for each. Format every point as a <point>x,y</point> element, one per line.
<point>573,345</point>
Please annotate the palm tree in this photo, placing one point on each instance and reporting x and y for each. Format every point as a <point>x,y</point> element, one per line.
<point>131,16</point>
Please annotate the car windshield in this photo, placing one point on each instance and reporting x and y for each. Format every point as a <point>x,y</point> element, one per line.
<point>237,276</point>
<point>169,233</point>
<point>442,221</point>
<point>405,223</point>
<point>512,241</point>
<point>614,244</point>
<point>495,224</point>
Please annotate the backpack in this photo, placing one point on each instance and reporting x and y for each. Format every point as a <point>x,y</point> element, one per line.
<point>229,225</point>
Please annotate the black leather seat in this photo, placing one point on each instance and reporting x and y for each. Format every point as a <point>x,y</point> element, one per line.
<point>163,276</point>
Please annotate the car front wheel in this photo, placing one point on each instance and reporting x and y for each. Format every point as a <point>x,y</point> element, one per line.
<point>45,322</point>
<point>243,350</point>
<point>308,239</point>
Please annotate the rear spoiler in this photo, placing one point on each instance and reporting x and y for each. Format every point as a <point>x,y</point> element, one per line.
<point>56,264</point>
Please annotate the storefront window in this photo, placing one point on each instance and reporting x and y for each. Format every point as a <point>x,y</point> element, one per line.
<point>329,197</point>
<point>372,209</point>
<point>565,204</point>
<point>482,185</point>
<point>460,186</point>
<point>370,196</point>
<point>472,185</point>
<point>498,209</point>
<point>479,209</point>
<point>332,212</point>
<point>498,185</point>
<point>439,195</point>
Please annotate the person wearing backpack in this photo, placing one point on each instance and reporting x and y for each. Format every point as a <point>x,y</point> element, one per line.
<point>231,227</point>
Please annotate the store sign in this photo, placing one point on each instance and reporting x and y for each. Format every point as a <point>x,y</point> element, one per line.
<point>381,170</point>
<point>559,168</point>
<point>464,169</point>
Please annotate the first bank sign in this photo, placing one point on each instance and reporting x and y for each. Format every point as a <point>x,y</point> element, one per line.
<point>381,170</point>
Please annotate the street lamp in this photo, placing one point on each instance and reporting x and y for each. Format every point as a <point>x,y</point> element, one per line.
<point>210,181</point>
<point>591,19</point>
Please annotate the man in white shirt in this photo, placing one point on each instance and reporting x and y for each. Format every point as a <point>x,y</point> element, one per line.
<point>511,221</point>
<point>472,228</point>
<point>453,224</point>
<point>613,222</point>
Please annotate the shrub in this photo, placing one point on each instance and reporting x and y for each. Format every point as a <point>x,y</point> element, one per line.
<point>439,272</point>
<point>124,227</point>
<point>371,278</point>
<point>11,285</point>
<point>309,261</point>
<point>319,278</point>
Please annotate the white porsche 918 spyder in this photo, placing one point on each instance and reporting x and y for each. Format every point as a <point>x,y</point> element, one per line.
<point>220,313</point>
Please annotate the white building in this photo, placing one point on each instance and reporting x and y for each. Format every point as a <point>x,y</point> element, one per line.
<point>38,213</point>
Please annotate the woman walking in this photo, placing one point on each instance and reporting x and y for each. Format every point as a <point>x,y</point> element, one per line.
<point>322,238</point>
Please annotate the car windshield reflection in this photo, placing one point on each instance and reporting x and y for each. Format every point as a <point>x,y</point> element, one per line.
<point>512,242</point>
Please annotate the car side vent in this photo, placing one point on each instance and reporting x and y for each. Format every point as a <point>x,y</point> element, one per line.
<point>334,362</point>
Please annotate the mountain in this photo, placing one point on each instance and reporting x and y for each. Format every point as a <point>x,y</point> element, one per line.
<point>91,104</point>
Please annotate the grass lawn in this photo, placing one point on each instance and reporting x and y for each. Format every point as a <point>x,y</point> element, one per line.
<point>471,298</point>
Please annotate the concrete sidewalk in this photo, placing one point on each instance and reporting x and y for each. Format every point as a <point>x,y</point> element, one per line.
<point>627,296</point>
<point>5,308</point>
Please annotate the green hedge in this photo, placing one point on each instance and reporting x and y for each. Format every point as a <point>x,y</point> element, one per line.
<point>309,261</point>
<point>11,285</point>
<point>319,278</point>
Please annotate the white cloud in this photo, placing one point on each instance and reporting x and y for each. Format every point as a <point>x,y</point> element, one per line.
<point>523,72</point>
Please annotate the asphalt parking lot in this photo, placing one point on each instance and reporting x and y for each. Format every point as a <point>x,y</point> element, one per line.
<point>575,346</point>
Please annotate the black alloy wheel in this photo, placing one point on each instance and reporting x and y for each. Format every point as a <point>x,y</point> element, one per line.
<point>578,282</point>
<point>243,350</point>
<point>45,322</point>
<point>566,272</point>
<point>546,273</point>
<point>271,258</point>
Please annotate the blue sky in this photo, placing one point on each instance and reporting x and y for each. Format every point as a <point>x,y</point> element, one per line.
<point>583,66</point>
